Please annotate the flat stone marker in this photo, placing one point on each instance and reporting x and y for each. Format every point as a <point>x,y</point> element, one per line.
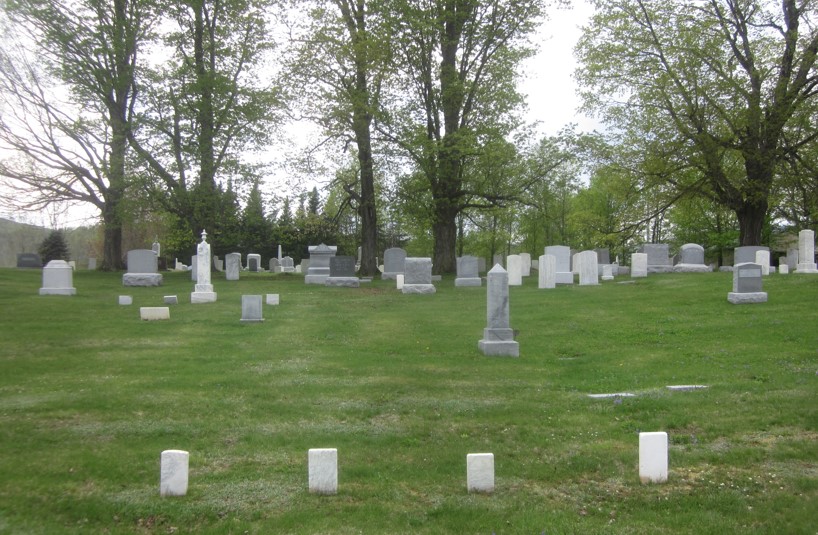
<point>684,388</point>
<point>272,299</point>
<point>154,313</point>
<point>498,337</point>
<point>323,470</point>
<point>251,310</point>
<point>173,476</point>
<point>58,279</point>
<point>653,457</point>
<point>480,472</point>
<point>612,395</point>
<point>747,278</point>
<point>514,267</point>
<point>171,300</point>
<point>547,274</point>
<point>125,300</point>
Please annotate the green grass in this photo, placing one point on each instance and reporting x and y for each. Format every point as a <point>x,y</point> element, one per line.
<point>90,396</point>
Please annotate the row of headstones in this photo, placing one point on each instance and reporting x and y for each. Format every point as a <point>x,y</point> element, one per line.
<point>33,261</point>
<point>322,468</point>
<point>251,307</point>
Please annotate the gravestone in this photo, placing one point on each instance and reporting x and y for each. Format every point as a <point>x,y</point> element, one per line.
<point>399,281</point>
<point>792,258</point>
<point>393,263</point>
<point>273,299</point>
<point>142,269</point>
<point>562,255</point>
<point>691,259</point>
<point>653,457</point>
<point>251,310</point>
<point>747,281</point>
<point>317,270</point>
<point>639,265</point>
<point>287,265</point>
<point>342,272</point>
<point>658,259</point>
<point>29,260</point>
<point>232,266</point>
<point>603,256</point>
<point>253,263</point>
<point>763,260</point>
<point>514,267</point>
<point>547,276</point>
<point>607,272</point>
<point>806,252</point>
<point>747,254</point>
<point>171,300</point>
<point>417,276</point>
<point>783,267</point>
<point>92,263</point>
<point>467,272</point>
<point>480,472</point>
<point>154,313</point>
<point>174,469</point>
<point>525,263</point>
<point>588,268</point>
<point>58,279</point>
<point>203,290</point>
<point>323,470</point>
<point>218,264</point>
<point>498,337</point>
<point>125,300</point>
<point>274,266</point>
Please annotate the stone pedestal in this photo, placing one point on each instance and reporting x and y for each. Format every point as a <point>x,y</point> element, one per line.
<point>806,252</point>
<point>498,337</point>
<point>58,279</point>
<point>747,284</point>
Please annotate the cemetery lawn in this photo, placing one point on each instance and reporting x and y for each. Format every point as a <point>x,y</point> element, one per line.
<point>90,396</point>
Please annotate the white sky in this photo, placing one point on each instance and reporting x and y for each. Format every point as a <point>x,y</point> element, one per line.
<point>548,85</point>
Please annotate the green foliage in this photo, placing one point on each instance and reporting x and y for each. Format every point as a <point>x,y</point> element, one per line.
<point>54,247</point>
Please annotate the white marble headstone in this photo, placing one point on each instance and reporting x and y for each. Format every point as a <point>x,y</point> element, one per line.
<point>653,457</point>
<point>323,470</point>
<point>480,472</point>
<point>173,478</point>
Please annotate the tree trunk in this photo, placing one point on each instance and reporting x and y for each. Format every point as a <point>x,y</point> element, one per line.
<point>112,238</point>
<point>444,231</point>
<point>751,218</point>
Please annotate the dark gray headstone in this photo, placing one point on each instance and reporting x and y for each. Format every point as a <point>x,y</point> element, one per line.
<point>142,261</point>
<point>747,277</point>
<point>29,260</point>
<point>393,262</point>
<point>603,256</point>
<point>342,266</point>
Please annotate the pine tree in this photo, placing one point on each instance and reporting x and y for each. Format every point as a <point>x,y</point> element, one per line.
<point>54,247</point>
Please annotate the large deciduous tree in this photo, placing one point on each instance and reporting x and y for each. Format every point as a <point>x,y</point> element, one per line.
<point>719,86</point>
<point>74,148</point>
<point>458,97</point>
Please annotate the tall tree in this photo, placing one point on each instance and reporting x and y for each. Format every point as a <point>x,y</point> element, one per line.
<point>76,150</point>
<point>204,109</point>
<point>460,59</point>
<point>717,83</point>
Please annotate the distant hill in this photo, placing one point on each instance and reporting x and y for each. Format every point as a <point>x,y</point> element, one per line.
<point>16,238</point>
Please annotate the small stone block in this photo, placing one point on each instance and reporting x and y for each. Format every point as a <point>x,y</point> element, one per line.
<point>399,281</point>
<point>154,313</point>
<point>323,470</point>
<point>613,395</point>
<point>480,472</point>
<point>684,388</point>
<point>653,457</point>
<point>174,473</point>
<point>272,299</point>
<point>125,300</point>
<point>171,300</point>
<point>738,298</point>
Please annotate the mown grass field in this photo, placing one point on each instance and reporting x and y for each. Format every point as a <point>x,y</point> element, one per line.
<point>90,396</point>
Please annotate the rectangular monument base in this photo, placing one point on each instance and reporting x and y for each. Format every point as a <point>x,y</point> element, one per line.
<point>58,291</point>
<point>748,297</point>
<point>142,279</point>
<point>202,297</point>
<point>315,279</point>
<point>390,275</point>
<point>343,282</point>
<point>418,289</point>
<point>806,268</point>
<point>468,281</point>
<point>499,348</point>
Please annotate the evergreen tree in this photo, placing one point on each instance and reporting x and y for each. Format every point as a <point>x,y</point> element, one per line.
<point>54,247</point>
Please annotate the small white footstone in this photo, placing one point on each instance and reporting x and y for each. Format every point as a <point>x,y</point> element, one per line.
<point>684,388</point>
<point>125,300</point>
<point>323,470</point>
<point>613,395</point>
<point>174,473</point>
<point>154,313</point>
<point>480,472</point>
<point>653,457</point>
<point>272,299</point>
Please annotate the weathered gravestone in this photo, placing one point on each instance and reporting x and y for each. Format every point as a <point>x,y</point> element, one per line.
<point>658,257</point>
<point>603,256</point>
<point>747,280</point>
<point>29,260</point>
<point>417,276</point>
<point>562,255</point>
<point>58,279</point>
<point>342,272</point>
<point>173,478</point>
<point>467,272</point>
<point>287,265</point>
<point>498,336</point>
<point>251,310</point>
<point>92,263</point>
<point>323,470</point>
<point>525,264</point>
<point>514,268</point>
<point>783,267</point>
<point>253,263</point>
<point>747,254</point>
<point>806,252</point>
<point>588,268</point>
<point>639,265</point>
<point>792,258</point>
<point>480,472</point>
<point>218,264</point>
<point>547,276</point>
<point>203,290</point>
<point>274,265</point>
<point>142,269</point>
<point>317,270</point>
<point>393,263</point>
<point>607,272</point>
<point>691,259</point>
<point>232,266</point>
<point>763,260</point>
